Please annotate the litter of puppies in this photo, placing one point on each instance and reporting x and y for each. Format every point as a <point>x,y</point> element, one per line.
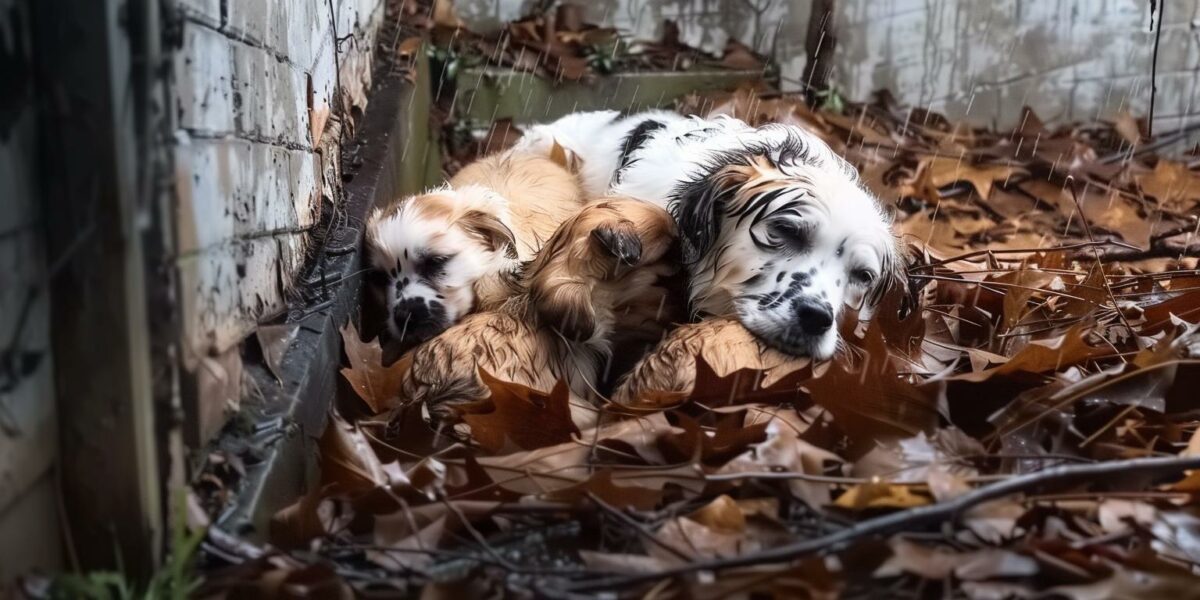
<point>1017,419</point>
<point>1013,416</point>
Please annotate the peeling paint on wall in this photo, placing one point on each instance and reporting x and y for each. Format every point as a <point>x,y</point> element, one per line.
<point>260,86</point>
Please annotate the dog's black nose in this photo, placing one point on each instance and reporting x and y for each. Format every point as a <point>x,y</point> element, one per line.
<point>413,312</point>
<point>814,318</point>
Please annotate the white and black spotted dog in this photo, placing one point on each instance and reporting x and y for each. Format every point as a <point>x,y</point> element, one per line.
<point>776,228</point>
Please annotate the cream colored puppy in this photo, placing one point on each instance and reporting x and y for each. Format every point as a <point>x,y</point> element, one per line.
<point>438,256</point>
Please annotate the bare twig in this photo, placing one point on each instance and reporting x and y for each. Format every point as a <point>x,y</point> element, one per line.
<point>975,253</point>
<point>1137,341</point>
<point>1070,398</point>
<point>1154,61</point>
<point>915,518</point>
<point>638,527</point>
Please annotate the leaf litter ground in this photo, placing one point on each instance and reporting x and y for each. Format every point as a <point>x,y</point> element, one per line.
<point>1021,421</point>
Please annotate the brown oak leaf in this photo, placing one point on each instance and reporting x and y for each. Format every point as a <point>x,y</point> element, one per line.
<point>527,418</point>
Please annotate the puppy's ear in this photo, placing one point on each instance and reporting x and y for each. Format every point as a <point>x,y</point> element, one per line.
<point>565,158</point>
<point>890,213</point>
<point>700,206</point>
<point>894,275</point>
<point>491,231</point>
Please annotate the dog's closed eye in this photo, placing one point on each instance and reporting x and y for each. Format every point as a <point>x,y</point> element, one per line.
<point>862,276</point>
<point>790,233</point>
<point>433,265</point>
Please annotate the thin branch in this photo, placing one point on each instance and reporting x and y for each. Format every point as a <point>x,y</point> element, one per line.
<point>915,518</point>
<point>1154,61</point>
<point>975,253</point>
<point>638,527</point>
<point>1137,341</point>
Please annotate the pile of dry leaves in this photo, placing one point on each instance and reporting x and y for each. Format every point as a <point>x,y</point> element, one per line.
<point>1018,423</point>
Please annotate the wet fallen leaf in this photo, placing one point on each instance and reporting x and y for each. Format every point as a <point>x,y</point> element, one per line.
<point>274,341</point>
<point>866,496</point>
<point>941,562</point>
<point>377,385</point>
<point>414,552</point>
<point>521,416</point>
<point>602,486</point>
<point>784,450</point>
<point>941,172</point>
<point>722,514</point>
<point>1172,184</point>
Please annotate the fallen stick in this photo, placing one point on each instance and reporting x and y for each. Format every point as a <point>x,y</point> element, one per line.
<point>912,518</point>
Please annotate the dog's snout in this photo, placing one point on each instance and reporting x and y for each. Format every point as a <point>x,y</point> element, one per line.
<point>814,318</point>
<point>416,319</point>
<point>412,310</point>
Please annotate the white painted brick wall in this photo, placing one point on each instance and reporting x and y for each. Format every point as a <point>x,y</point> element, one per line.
<point>251,20</point>
<point>203,83</point>
<point>271,96</point>
<point>247,169</point>
<point>203,11</point>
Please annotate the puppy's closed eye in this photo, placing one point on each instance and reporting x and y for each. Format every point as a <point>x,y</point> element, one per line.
<point>862,277</point>
<point>433,266</point>
<point>791,233</point>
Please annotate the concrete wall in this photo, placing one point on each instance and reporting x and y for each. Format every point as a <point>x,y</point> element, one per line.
<point>1068,59</point>
<point>257,99</point>
<point>29,533</point>
<point>978,59</point>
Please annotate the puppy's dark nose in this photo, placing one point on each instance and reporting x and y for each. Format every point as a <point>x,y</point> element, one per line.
<point>411,312</point>
<point>814,318</point>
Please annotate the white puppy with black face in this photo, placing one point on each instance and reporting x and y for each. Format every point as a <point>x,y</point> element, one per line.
<point>776,228</point>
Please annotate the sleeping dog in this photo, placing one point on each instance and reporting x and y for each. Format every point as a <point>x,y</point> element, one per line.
<point>439,256</point>
<point>598,283</point>
<point>776,229</point>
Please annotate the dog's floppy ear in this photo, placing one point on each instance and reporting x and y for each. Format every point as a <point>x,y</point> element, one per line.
<point>565,158</point>
<point>494,233</point>
<point>700,205</point>
<point>894,275</point>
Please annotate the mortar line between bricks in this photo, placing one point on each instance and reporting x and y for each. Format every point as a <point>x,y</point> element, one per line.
<point>240,239</point>
<point>246,41</point>
<point>198,134</point>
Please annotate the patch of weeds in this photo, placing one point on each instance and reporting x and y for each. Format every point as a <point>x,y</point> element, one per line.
<point>174,580</point>
<point>831,100</point>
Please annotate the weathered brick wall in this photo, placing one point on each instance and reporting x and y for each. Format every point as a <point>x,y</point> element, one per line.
<point>975,59</point>
<point>259,89</point>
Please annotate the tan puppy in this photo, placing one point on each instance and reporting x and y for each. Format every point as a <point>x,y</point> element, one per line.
<point>440,255</point>
<point>599,272</point>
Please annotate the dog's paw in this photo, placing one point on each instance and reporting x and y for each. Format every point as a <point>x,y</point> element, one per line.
<point>567,308</point>
<point>619,240</point>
